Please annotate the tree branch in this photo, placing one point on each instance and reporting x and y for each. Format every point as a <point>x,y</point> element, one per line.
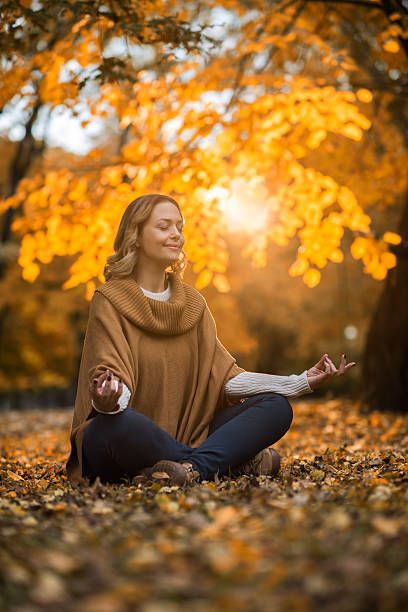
<point>241,67</point>
<point>365,3</point>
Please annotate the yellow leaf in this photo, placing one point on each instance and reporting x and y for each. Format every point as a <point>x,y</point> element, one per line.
<point>298,267</point>
<point>358,247</point>
<point>336,256</point>
<point>352,131</point>
<point>389,260</point>
<point>346,199</point>
<point>379,272</point>
<point>13,475</point>
<point>316,138</point>
<point>311,278</point>
<point>392,238</point>
<point>364,95</point>
<point>31,272</point>
<point>391,46</point>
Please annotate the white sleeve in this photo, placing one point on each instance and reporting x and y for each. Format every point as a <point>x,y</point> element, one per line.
<point>123,400</point>
<point>250,383</point>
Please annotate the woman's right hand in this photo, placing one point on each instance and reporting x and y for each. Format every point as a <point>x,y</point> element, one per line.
<point>103,391</point>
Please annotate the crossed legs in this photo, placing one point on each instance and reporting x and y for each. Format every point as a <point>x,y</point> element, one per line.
<point>119,446</point>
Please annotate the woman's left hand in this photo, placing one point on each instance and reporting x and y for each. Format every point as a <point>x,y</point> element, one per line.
<point>325,369</point>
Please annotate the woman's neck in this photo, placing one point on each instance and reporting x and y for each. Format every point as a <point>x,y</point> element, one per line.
<point>155,282</point>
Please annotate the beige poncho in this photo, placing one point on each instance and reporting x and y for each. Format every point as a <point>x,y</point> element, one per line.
<point>167,353</point>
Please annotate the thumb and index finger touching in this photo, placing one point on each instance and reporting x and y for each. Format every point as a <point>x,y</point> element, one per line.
<point>104,380</point>
<point>329,366</point>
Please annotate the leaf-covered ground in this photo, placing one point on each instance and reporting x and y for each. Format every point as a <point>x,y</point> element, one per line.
<point>329,533</point>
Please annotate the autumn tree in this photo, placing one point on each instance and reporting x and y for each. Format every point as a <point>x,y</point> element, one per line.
<point>266,91</point>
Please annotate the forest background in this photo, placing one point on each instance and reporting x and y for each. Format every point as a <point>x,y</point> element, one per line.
<point>281,129</point>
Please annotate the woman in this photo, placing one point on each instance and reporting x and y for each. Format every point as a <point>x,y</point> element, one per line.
<point>158,394</point>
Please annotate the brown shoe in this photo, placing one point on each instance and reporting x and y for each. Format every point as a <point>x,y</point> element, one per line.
<point>266,462</point>
<point>172,473</point>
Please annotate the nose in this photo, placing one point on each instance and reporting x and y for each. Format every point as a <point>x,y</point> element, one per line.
<point>175,232</point>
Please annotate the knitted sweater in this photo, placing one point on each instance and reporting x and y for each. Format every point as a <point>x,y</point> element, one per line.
<point>167,353</point>
<point>244,384</point>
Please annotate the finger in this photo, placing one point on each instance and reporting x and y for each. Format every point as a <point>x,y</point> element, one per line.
<point>101,380</point>
<point>106,388</point>
<point>332,367</point>
<point>331,362</point>
<point>342,363</point>
<point>105,375</point>
<point>115,386</point>
<point>321,360</point>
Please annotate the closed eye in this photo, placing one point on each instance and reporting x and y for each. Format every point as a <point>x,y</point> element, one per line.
<point>180,229</point>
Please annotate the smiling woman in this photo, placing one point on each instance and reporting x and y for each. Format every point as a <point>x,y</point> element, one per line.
<point>157,391</point>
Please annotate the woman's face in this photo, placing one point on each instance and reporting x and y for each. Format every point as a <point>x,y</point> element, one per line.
<point>162,235</point>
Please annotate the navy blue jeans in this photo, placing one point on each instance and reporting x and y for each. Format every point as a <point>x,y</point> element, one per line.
<point>117,447</point>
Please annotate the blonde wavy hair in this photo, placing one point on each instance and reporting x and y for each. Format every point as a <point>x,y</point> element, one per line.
<point>123,261</point>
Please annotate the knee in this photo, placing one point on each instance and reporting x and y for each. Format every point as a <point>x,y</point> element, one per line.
<point>287,412</point>
<point>103,422</point>
<point>281,408</point>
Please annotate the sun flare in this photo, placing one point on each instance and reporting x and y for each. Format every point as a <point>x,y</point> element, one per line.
<point>245,206</point>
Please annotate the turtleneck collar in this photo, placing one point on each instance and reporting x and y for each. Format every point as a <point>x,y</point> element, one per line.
<point>158,295</point>
<point>175,316</point>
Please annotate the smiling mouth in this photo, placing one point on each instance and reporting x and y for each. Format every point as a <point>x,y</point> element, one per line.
<point>175,247</point>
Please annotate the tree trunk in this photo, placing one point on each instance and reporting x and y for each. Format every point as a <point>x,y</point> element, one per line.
<point>384,381</point>
<point>24,154</point>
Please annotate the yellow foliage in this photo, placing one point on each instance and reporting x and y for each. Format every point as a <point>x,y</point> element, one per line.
<point>30,272</point>
<point>364,95</point>
<point>179,141</point>
<point>316,138</point>
<point>389,260</point>
<point>311,277</point>
<point>203,279</point>
<point>336,256</point>
<point>221,283</point>
<point>352,131</point>
<point>299,267</point>
<point>392,238</point>
<point>359,247</point>
<point>112,176</point>
<point>391,46</point>
<point>79,190</point>
<point>90,290</point>
<point>379,272</point>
